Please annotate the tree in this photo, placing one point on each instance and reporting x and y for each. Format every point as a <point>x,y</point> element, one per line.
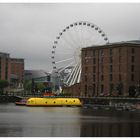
<point>28,85</point>
<point>40,86</point>
<point>3,84</point>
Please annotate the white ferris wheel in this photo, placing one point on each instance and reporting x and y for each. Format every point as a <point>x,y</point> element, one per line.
<point>66,49</point>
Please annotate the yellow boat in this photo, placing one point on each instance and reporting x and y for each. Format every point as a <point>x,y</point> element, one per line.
<point>53,102</point>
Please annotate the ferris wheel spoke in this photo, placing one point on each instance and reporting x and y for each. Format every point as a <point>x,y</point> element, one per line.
<point>72,37</point>
<point>94,40</point>
<point>65,53</point>
<point>64,42</point>
<point>74,75</point>
<point>70,76</point>
<point>68,35</point>
<point>63,45</point>
<point>67,76</point>
<point>77,35</point>
<point>66,66</point>
<point>80,28</point>
<point>79,76</point>
<point>69,43</point>
<point>82,35</point>
<point>64,60</point>
<point>98,42</point>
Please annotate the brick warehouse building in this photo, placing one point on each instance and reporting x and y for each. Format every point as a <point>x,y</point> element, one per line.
<point>17,69</point>
<point>112,69</point>
<point>11,69</point>
<point>5,66</point>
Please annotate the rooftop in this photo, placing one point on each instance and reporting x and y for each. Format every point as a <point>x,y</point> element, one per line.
<point>135,43</point>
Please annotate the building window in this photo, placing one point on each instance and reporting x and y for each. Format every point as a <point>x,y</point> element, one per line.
<point>94,78</point>
<point>111,51</point>
<point>102,68</point>
<point>119,68</point>
<point>132,68</point>
<point>86,69</point>
<point>111,88</point>
<point>94,89</point>
<point>111,68</point>
<point>102,77</point>
<point>101,52</point>
<point>102,88</point>
<point>85,90</point>
<point>132,77</point>
<point>94,69</point>
<point>85,78</point>
<point>85,53</point>
<point>94,60</point>
<point>111,60</point>
<point>111,78</point>
<point>93,52</point>
<point>102,59</point>
<point>132,59</point>
<point>120,58</point>
<point>133,50</point>
<point>120,77</point>
<point>120,50</point>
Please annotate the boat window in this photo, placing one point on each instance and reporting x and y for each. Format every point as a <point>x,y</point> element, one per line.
<point>46,102</point>
<point>74,101</point>
<point>66,100</point>
<point>54,102</point>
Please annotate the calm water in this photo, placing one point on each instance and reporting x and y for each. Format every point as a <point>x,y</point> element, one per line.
<point>21,121</point>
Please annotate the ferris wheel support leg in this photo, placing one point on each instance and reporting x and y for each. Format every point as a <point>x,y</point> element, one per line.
<point>75,78</point>
<point>77,75</point>
<point>74,75</point>
<point>71,74</point>
<point>66,66</point>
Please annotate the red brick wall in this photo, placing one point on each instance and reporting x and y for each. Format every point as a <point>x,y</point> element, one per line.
<point>121,68</point>
<point>5,68</point>
<point>74,90</point>
<point>17,68</point>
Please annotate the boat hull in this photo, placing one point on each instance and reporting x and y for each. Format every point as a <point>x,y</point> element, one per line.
<point>20,104</point>
<point>53,102</point>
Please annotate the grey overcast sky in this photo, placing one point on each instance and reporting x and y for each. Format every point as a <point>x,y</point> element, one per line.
<point>28,30</point>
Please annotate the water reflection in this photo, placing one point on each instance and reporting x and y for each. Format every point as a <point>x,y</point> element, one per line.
<point>17,121</point>
<point>110,129</point>
<point>110,124</point>
<point>39,121</point>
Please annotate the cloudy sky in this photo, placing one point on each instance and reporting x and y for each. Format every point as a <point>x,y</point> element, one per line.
<point>29,30</point>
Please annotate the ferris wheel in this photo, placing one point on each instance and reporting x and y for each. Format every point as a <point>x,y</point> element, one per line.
<point>66,49</point>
